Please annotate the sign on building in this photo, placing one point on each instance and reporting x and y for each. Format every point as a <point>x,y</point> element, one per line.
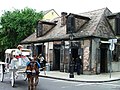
<point>112,44</point>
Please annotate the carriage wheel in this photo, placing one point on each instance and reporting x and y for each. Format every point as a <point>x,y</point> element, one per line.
<point>12,78</point>
<point>2,73</point>
<point>24,76</point>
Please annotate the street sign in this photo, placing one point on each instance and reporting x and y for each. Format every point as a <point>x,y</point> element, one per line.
<point>112,44</point>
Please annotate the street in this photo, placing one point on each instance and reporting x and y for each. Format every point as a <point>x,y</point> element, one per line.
<point>54,84</point>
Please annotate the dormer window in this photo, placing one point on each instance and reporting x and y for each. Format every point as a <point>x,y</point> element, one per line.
<point>117,24</point>
<point>75,22</point>
<point>114,21</point>
<point>43,27</point>
<point>70,24</point>
<point>39,29</point>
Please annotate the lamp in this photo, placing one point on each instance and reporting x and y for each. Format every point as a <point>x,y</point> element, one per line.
<point>71,66</point>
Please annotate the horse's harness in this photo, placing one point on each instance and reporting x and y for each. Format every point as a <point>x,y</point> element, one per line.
<point>32,68</point>
<point>32,71</point>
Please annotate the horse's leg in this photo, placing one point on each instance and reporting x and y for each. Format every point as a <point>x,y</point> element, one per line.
<point>36,81</point>
<point>29,83</point>
<point>32,83</point>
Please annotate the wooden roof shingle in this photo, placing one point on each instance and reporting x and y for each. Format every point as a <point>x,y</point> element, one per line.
<point>97,26</point>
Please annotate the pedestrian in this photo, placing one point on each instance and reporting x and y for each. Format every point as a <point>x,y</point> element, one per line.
<point>78,63</point>
<point>44,66</point>
<point>40,59</point>
<point>42,63</point>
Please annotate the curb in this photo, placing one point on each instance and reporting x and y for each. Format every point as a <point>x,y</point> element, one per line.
<point>78,80</point>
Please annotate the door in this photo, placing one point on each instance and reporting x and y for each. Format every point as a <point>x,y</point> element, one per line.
<point>74,56</point>
<point>56,62</point>
<point>103,58</point>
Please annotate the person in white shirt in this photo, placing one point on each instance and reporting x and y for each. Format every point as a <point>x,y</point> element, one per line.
<point>18,54</point>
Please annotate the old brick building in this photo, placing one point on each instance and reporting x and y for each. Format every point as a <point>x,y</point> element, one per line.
<point>91,32</point>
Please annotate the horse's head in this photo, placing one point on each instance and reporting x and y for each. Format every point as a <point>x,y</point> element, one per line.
<point>33,68</point>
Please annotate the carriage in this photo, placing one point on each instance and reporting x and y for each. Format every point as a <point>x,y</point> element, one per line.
<point>13,66</point>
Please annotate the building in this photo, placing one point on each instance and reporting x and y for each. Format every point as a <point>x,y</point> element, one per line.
<point>49,15</point>
<point>86,35</point>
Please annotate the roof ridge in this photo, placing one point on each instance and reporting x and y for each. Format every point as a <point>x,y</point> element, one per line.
<point>101,17</point>
<point>93,10</point>
<point>99,21</point>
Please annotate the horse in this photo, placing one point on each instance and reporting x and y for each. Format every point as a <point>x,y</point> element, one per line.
<point>32,71</point>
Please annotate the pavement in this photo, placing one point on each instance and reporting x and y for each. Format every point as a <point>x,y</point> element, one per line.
<point>105,77</point>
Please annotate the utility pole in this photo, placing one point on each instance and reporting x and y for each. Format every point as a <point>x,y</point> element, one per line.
<point>111,47</point>
<point>71,68</point>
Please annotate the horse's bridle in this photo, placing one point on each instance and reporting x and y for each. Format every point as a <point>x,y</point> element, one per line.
<point>33,66</point>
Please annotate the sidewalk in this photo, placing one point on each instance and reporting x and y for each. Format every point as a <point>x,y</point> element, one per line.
<point>82,78</point>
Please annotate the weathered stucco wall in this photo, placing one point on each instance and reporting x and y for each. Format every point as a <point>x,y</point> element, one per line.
<point>86,55</point>
<point>94,55</point>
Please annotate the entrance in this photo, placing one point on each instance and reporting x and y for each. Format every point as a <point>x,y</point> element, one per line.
<point>39,49</point>
<point>103,58</point>
<point>74,56</point>
<point>56,61</point>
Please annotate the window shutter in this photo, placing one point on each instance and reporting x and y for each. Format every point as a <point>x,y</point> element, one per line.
<point>39,30</point>
<point>71,24</point>
<point>117,25</point>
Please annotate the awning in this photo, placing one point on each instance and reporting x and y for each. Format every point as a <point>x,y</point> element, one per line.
<point>107,42</point>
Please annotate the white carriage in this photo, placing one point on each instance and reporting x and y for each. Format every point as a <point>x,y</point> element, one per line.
<point>13,66</point>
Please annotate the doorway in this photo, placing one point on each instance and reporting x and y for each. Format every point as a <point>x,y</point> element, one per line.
<point>39,49</point>
<point>103,58</point>
<point>74,51</point>
<point>56,61</point>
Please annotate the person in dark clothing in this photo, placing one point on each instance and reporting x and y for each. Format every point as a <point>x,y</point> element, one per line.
<point>40,59</point>
<point>42,62</point>
<point>44,66</point>
<point>78,63</point>
<point>72,65</point>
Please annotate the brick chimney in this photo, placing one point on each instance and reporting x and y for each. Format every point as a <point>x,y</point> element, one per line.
<point>63,18</point>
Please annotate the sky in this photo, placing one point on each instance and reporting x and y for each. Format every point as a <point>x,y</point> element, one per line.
<point>69,6</point>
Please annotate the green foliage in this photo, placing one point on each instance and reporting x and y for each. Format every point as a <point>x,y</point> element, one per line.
<point>17,25</point>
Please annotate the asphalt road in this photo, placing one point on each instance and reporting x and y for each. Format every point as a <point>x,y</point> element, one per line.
<point>53,84</point>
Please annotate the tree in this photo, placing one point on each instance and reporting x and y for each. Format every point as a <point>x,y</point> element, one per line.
<point>17,25</point>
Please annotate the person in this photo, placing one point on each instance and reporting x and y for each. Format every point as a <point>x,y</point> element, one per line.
<point>14,61</point>
<point>42,63</point>
<point>78,63</point>
<point>19,51</point>
<point>40,60</point>
<point>18,54</point>
<point>44,66</point>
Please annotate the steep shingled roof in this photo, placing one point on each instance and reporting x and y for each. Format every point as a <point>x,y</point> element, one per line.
<point>97,26</point>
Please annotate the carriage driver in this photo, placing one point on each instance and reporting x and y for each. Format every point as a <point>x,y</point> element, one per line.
<point>18,53</point>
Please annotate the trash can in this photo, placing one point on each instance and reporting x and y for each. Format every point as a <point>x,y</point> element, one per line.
<point>47,66</point>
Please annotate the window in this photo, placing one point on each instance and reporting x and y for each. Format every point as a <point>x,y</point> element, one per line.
<point>70,24</point>
<point>117,25</point>
<point>39,30</point>
<point>114,21</point>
